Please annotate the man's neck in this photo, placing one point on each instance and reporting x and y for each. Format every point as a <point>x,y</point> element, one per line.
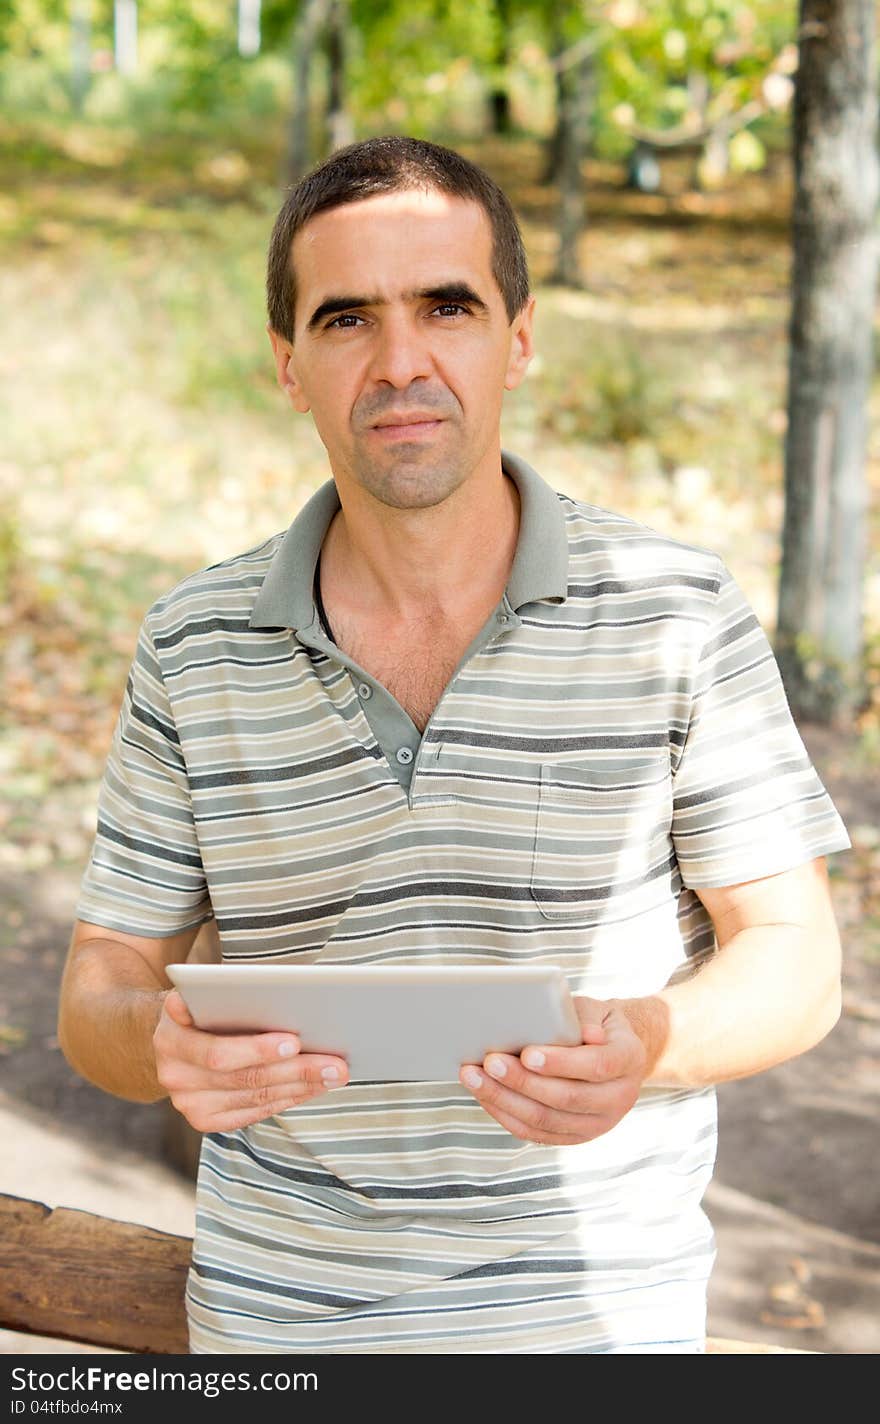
<point>403,565</point>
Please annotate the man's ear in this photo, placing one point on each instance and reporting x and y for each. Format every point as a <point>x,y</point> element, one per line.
<point>521,345</point>
<point>285,371</point>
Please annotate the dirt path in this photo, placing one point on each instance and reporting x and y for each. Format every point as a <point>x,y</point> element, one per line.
<point>795,1202</point>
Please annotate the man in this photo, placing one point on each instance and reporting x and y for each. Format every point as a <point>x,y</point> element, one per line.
<point>451,716</point>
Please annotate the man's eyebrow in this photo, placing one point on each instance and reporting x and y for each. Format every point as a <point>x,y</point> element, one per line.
<point>445,292</point>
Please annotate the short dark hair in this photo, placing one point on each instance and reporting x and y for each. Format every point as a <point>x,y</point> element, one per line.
<point>393,163</point>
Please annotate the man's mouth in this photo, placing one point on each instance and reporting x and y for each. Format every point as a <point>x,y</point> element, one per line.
<point>413,427</point>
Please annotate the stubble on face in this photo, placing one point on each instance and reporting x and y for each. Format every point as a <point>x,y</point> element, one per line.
<point>409,474</point>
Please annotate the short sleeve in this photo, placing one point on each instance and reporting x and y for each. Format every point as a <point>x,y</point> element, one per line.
<point>747,801</point>
<point>145,874</point>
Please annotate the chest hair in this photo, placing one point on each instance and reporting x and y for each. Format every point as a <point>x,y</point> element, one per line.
<point>415,665</point>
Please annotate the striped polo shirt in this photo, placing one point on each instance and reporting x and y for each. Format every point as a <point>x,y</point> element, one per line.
<point>616,737</point>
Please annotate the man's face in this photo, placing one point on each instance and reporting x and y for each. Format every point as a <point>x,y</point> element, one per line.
<point>402,348</point>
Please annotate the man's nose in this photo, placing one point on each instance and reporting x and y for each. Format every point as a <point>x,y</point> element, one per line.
<point>401,353</point>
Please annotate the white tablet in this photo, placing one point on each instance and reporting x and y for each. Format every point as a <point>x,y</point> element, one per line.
<point>405,1023</point>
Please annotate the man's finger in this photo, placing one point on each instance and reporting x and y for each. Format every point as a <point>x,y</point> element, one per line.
<point>227,1053</point>
<point>218,1116</point>
<point>593,1020</point>
<point>570,1092</point>
<point>544,1122</point>
<point>611,1048</point>
<point>210,1102</point>
<point>528,1133</point>
<point>176,1009</point>
<point>589,1063</point>
<point>593,1015</point>
<point>314,1069</point>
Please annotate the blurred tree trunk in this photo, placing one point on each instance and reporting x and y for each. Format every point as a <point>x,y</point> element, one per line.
<point>248,28</point>
<point>575,125</point>
<point>553,161</point>
<point>125,35</point>
<point>713,161</point>
<point>340,129</point>
<point>307,32</point>
<point>80,51</point>
<point>819,638</point>
<point>499,94</point>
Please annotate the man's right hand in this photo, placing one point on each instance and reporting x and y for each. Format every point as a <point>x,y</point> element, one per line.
<point>223,1081</point>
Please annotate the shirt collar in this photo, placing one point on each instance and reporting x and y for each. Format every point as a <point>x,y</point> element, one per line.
<point>540,564</point>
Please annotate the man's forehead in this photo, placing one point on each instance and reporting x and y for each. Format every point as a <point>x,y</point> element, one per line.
<point>424,222</point>
<point>430,205</point>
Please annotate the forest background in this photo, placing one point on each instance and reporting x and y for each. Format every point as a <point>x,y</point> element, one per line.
<point>144,148</point>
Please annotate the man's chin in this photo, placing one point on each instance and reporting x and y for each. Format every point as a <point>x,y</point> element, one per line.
<point>409,480</point>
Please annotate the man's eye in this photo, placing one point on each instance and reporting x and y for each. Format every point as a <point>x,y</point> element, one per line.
<point>346,321</point>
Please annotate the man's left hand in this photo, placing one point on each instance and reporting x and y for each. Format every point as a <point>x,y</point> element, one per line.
<point>561,1096</point>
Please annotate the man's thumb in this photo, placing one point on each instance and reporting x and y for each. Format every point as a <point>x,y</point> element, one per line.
<point>592,1014</point>
<point>177,1010</point>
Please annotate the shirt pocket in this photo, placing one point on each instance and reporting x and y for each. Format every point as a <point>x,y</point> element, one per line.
<point>602,832</point>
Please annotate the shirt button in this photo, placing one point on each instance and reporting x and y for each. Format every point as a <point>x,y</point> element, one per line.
<point>404,756</point>
<point>502,617</point>
<point>364,690</point>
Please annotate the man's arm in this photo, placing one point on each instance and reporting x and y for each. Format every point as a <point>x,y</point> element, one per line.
<point>122,1026</point>
<point>112,995</point>
<point>771,992</point>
